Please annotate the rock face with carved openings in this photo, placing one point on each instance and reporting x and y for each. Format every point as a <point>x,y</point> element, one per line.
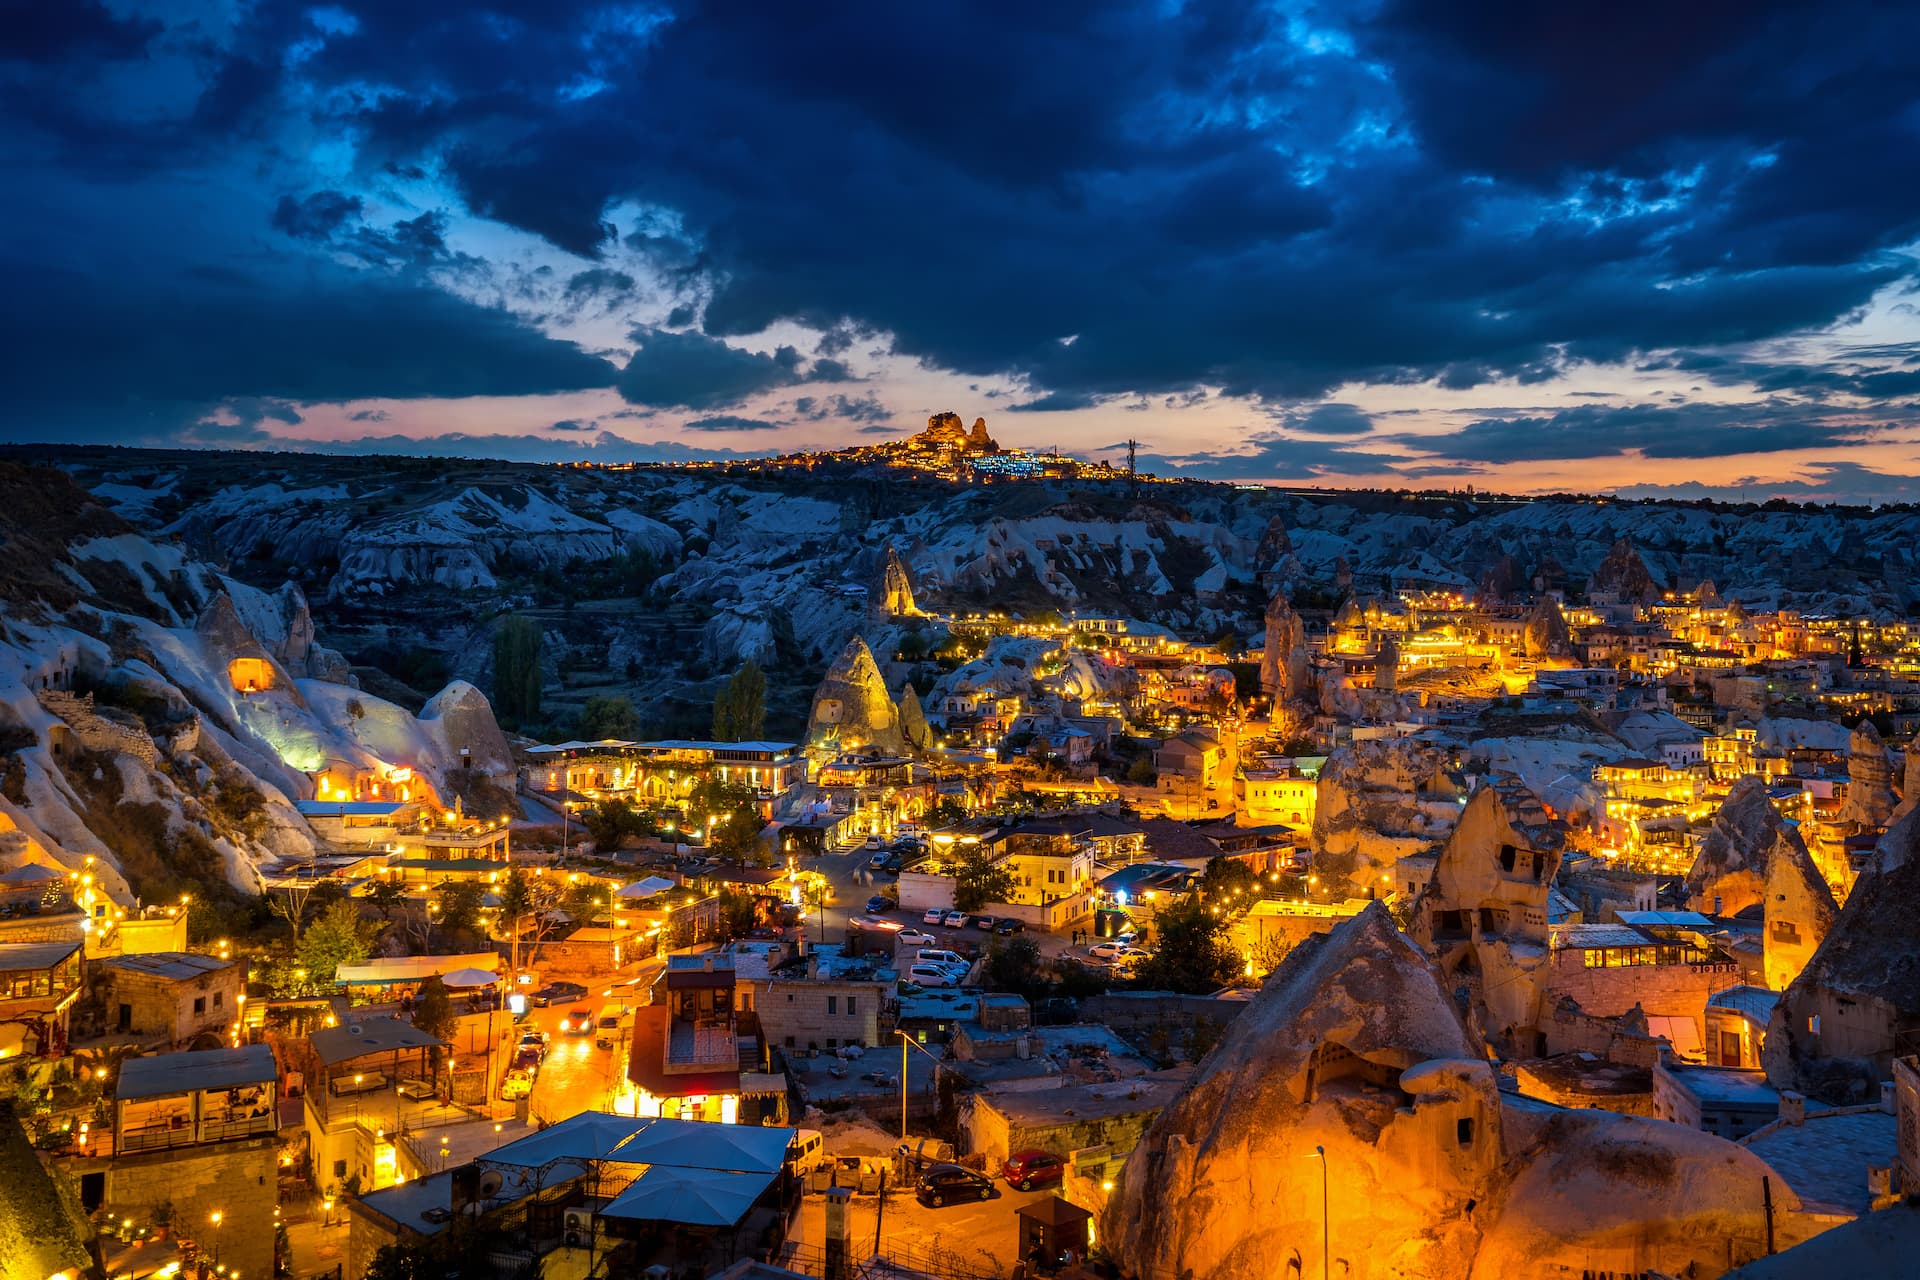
<point>851,708</point>
<point>1729,874</point>
<point>1284,662</point>
<point>1546,635</point>
<point>1623,575</point>
<point>1870,799</point>
<point>1351,1081</point>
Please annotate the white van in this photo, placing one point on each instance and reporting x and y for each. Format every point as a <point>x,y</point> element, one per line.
<point>807,1152</point>
<point>929,955</point>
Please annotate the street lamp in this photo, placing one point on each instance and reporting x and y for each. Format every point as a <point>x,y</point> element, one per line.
<point>214,1218</point>
<point>1320,1154</point>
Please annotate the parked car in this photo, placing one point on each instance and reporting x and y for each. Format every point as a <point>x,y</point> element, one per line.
<point>933,955</point>
<point>1107,950</point>
<point>955,919</point>
<point>518,1084</point>
<point>914,938</point>
<point>932,975</point>
<point>983,923</point>
<point>557,993</point>
<point>1029,1169</point>
<point>878,860</point>
<point>933,915</point>
<point>879,904</point>
<point>535,1040</point>
<point>1009,926</point>
<point>578,1022</point>
<point>893,866</point>
<point>946,1183</point>
<point>527,1058</point>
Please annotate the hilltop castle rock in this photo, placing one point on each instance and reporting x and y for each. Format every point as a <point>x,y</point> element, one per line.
<point>946,432</point>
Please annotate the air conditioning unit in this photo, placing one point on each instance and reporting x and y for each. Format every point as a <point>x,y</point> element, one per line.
<point>578,1227</point>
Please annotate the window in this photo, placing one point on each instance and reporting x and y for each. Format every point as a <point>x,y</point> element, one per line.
<point>216,998</point>
<point>832,1003</point>
<point>339,1168</point>
<point>1463,1131</point>
<point>832,1043</point>
<point>850,1001</point>
<point>789,1042</point>
<point>200,1004</point>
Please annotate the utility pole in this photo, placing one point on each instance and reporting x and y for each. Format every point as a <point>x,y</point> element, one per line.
<point>1133,473</point>
<point>1766,1199</point>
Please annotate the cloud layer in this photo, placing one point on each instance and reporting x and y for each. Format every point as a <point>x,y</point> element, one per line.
<point>1298,243</point>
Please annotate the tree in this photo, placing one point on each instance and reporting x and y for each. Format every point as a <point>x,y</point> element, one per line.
<point>516,669</point>
<point>978,879</point>
<point>1015,966</point>
<point>433,1011</point>
<point>730,814</point>
<point>739,914</point>
<point>1228,883</point>
<point>740,708</point>
<point>386,896</point>
<point>338,937</point>
<point>516,904</point>
<point>1193,956</point>
<point>460,902</point>
<point>603,717</point>
<point>610,822</point>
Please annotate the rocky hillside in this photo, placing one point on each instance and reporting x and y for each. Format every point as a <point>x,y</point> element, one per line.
<point>163,717</point>
<point>647,579</point>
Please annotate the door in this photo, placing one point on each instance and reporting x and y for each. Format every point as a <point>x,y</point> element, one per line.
<point>1730,1048</point>
<point>126,1017</point>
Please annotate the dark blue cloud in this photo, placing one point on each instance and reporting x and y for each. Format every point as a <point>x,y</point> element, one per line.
<point>1094,201</point>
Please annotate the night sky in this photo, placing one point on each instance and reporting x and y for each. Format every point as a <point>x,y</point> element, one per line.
<point>1670,249</point>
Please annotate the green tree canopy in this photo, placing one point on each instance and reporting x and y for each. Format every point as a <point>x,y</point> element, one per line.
<point>1192,956</point>
<point>516,670</point>
<point>1229,883</point>
<point>460,902</point>
<point>611,821</point>
<point>730,814</point>
<point>740,708</point>
<point>978,879</point>
<point>607,716</point>
<point>433,1012</point>
<point>339,936</point>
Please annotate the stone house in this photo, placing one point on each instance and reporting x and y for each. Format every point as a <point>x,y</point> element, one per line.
<point>174,998</point>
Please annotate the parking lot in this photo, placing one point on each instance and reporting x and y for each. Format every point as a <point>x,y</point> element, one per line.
<point>980,1236</point>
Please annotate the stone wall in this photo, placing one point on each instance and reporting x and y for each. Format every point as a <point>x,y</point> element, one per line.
<point>795,1014</point>
<point>96,733</point>
<point>239,1180</point>
<point>1662,990</point>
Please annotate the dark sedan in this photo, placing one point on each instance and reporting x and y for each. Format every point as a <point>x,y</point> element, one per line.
<point>557,993</point>
<point>945,1183</point>
<point>1009,926</point>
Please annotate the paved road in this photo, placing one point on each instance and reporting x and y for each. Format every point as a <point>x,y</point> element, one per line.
<point>578,1075</point>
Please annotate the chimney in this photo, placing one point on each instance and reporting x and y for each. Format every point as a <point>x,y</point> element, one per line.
<point>1716,904</point>
<point>1793,1107</point>
<point>1887,1103</point>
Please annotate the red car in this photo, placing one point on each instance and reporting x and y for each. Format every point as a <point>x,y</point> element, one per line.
<point>1029,1169</point>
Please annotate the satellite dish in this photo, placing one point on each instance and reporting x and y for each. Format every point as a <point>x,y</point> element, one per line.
<point>354,1029</point>
<point>490,1183</point>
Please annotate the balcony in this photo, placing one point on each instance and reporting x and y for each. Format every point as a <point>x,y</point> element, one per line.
<point>157,1137</point>
<point>693,1045</point>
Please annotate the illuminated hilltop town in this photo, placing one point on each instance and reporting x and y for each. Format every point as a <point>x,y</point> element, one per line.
<point>1532,926</point>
